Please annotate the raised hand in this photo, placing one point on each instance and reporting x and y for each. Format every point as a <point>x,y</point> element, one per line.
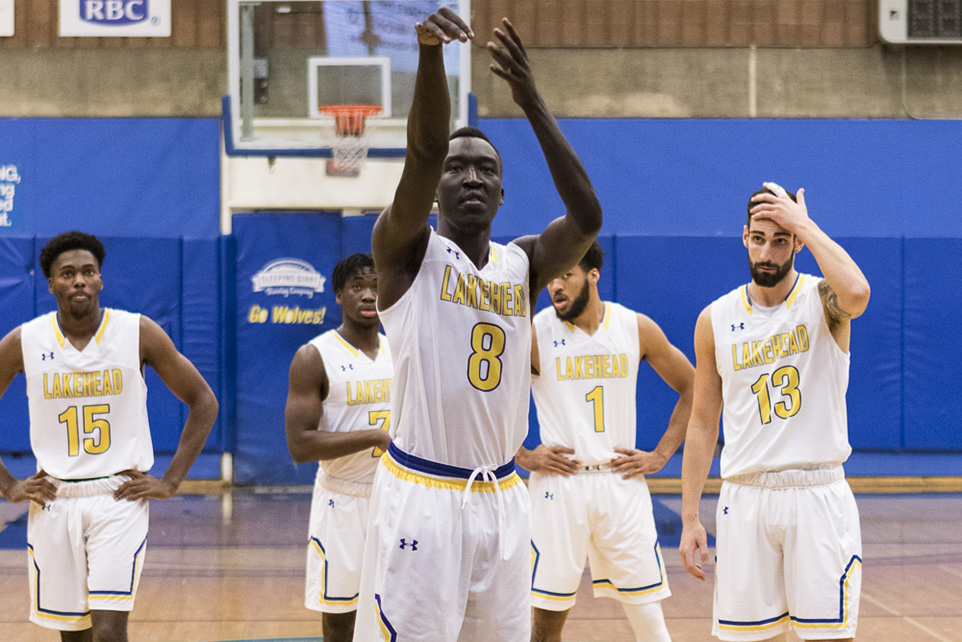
<point>780,208</point>
<point>143,486</point>
<point>35,489</point>
<point>443,27</point>
<point>511,63</point>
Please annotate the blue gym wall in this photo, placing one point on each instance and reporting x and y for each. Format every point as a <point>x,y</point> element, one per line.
<point>674,194</point>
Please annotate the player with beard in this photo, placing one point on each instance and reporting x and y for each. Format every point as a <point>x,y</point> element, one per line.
<point>338,413</point>
<point>773,355</point>
<point>588,492</point>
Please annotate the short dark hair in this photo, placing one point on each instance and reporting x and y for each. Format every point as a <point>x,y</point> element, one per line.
<point>474,132</point>
<point>349,267</point>
<point>593,259</point>
<point>67,241</point>
<point>764,190</point>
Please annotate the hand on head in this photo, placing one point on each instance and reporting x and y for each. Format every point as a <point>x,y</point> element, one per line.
<point>443,27</point>
<point>779,207</point>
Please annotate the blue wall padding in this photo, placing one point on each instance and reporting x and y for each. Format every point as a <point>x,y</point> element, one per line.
<point>140,177</point>
<point>683,177</point>
<point>145,275</point>
<point>265,349</point>
<point>17,277</point>
<point>933,303</point>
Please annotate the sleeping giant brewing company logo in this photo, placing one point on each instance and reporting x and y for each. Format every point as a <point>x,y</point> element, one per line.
<point>120,18</point>
<point>287,277</point>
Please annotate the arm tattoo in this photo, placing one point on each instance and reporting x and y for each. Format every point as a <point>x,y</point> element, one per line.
<point>830,301</point>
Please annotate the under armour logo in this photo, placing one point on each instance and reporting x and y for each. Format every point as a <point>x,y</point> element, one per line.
<point>559,343</point>
<point>725,512</point>
<point>456,254</point>
<point>48,506</point>
<point>413,544</point>
<point>549,495</point>
<point>330,503</point>
<point>349,366</point>
<point>739,326</point>
<point>46,355</point>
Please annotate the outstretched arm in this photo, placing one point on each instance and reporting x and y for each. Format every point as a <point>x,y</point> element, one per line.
<point>307,389</point>
<point>844,289</point>
<point>700,440</point>
<point>566,239</point>
<point>187,384</point>
<point>674,368</point>
<point>401,232</point>
<point>36,488</point>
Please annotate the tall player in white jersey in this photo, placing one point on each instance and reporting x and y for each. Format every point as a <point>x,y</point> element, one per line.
<point>589,498</point>
<point>773,355</point>
<point>448,543</point>
<point>84,366</point>
<point>338,413</point>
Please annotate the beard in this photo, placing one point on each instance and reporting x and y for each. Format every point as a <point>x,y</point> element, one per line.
<point>578,305</point>
<point>770,279</point>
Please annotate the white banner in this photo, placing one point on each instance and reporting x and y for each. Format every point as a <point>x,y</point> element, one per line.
<point>6,17</point>
<point>118,18</point>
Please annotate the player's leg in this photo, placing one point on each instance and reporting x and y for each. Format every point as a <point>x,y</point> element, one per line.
<point>750,601</point>
<point>823,560</point>
<point>109,626</point>
<point>338,627</point>
<point>87,635</point>
<point>546,625</point>
<point>647,621</point>
<point>559,539</point>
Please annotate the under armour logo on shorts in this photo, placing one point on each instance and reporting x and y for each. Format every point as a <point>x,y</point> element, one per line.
<point>549,495</point>
<point>330,502</point>
<point>726,510</point>
<point>413,544</point>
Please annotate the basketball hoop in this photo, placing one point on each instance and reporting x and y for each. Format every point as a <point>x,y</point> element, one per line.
<point>352,123</point>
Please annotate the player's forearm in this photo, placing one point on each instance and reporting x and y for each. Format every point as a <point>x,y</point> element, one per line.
<point>316,445</point>
<point>675,433</point>
<point>430,114</point>
<point>839,270</point>
<point>200,420</point>
<point>569,175</point>
<point>6,480</point>
<point>699,450</point>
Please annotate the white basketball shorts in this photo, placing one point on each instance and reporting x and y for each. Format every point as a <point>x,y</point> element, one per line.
<point>447,554</point>
<point>335,548</point>
<point>789,554</point>
<point>86,551</point>
<point>601,517</point>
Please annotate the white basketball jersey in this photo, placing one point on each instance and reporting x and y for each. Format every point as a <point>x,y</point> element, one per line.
<point>88,409</point>
<point>585,394</point>
<point>358,398</point>
<point>783,382</point>
<point>461,340</point>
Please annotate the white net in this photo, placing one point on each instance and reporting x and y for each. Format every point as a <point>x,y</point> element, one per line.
<point>353,125</point>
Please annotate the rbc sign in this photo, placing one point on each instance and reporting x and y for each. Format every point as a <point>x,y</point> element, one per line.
<point>114,12</point>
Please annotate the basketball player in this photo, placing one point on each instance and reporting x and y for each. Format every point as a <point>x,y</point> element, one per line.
<point>589,496</point>
<point>774,355</point>
<point>338,413</point>
<point>448,553</point>
<point>84,364</point>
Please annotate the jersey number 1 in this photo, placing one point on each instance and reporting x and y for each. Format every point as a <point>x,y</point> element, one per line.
<point>92,425</point>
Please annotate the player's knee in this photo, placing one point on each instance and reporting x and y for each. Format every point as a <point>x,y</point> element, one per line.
<point>546,625</point>
<point>338,627</point>
<point>109,626</point>
<point>647,621</point>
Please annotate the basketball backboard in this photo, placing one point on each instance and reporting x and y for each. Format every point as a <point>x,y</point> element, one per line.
<point>289,58</point>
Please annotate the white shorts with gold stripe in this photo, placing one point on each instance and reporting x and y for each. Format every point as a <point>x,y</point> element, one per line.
<point>789,555</point>
<point>86,553</point>
<point>601,517</point>
<point>447,554</point>
<point>335,547</point>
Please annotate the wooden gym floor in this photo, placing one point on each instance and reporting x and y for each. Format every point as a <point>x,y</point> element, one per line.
<point>230,566</point>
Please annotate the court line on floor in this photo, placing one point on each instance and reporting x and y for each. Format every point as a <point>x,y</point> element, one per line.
<point>895,612</point>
